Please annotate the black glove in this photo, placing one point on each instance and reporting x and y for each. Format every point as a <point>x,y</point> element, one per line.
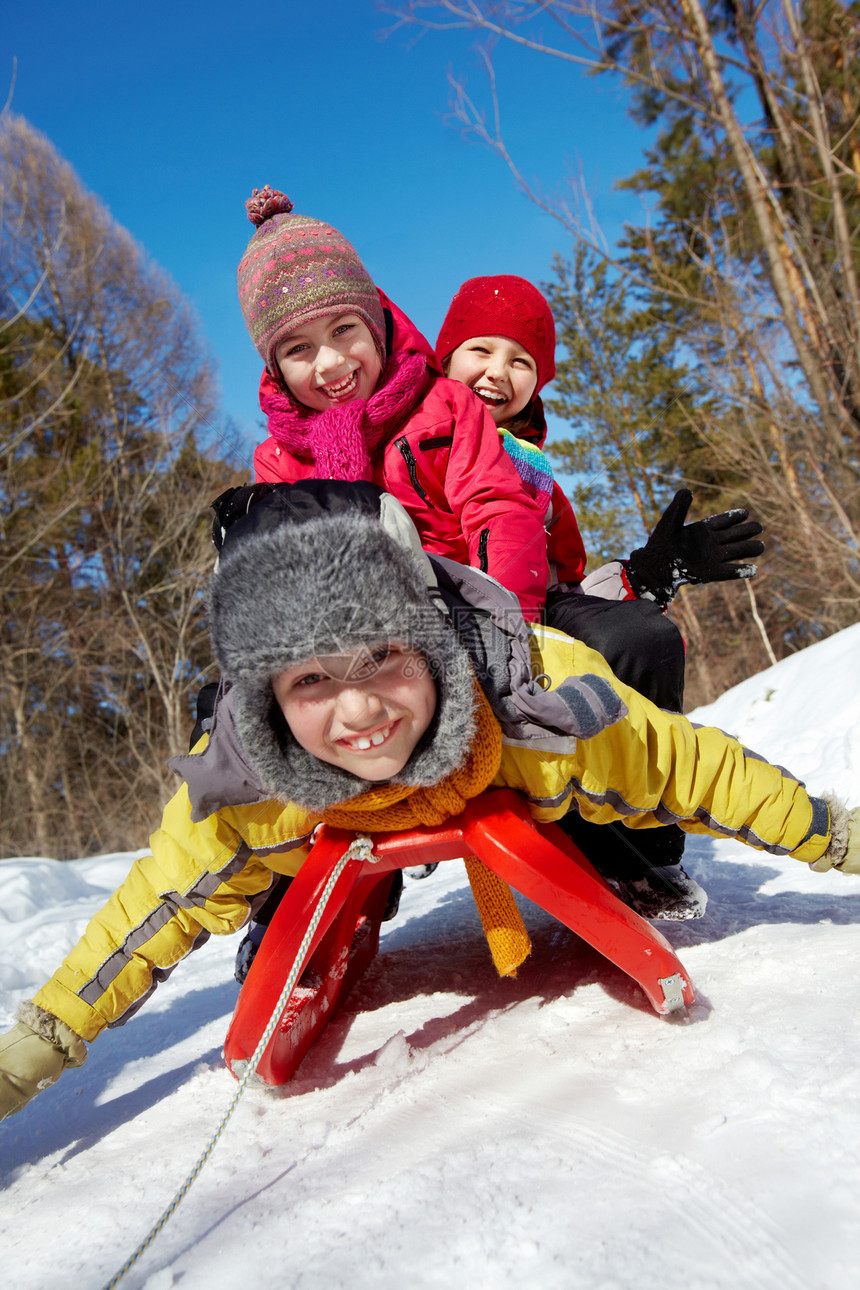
<point>676,553</point>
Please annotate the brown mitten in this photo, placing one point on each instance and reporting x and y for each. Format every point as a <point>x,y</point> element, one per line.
<point>851,861</point>
<point>34,1056</point>
<point>843,853</point>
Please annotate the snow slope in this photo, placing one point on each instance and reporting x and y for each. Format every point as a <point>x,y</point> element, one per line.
<point>452,1129</point>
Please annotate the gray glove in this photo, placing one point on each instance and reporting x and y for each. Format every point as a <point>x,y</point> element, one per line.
<point>29,1061</point>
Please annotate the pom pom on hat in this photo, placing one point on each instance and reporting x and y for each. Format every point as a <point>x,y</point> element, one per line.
<point>267,201</point>
<point>503,305</point>
<point>296,269</point>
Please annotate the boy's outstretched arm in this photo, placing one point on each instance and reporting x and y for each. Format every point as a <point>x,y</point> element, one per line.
<point>201,878</point>
<point>654,767</point>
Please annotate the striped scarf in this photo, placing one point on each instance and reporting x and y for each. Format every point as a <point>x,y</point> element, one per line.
<point>532,466</point>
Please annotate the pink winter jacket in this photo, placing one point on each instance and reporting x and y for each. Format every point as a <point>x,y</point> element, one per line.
<point>446,465</point>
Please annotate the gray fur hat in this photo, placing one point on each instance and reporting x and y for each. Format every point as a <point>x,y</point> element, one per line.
<point>323,567</point>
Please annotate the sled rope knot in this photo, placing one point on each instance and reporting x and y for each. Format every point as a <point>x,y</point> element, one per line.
<point>361,848</point>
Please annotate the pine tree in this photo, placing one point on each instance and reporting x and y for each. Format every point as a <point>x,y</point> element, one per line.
<point>752,258</point>
<point>748,267</point>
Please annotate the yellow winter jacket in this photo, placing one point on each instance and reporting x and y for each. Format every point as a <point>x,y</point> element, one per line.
<point>649,768</point>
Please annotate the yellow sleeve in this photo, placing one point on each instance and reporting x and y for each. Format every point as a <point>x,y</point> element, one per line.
<point>198,880</point>
<point>654,767</point>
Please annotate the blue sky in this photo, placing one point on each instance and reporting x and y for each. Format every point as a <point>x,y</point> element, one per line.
<point>172,112</point>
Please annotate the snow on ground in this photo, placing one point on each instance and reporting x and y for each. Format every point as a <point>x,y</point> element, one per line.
<point>453,1129</point>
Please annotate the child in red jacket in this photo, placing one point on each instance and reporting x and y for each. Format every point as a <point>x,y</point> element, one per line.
<point>352,391</point>
<point>498,338</point>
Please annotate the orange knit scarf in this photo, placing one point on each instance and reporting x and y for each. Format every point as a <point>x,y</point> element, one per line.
<point>395,807</point>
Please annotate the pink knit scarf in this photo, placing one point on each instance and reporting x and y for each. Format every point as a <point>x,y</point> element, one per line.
<point>339,440</point>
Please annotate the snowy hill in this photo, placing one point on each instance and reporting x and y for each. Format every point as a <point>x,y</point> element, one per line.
<point>454,1130</point>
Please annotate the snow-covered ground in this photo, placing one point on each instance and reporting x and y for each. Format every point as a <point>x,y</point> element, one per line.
<point>452,1129</point>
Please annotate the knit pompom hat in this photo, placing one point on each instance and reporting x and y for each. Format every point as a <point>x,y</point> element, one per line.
<point>296,269</point>
<point>503,305</point>
<point>318,568</point>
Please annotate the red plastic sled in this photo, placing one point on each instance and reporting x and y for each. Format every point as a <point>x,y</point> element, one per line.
<point>538,860</point>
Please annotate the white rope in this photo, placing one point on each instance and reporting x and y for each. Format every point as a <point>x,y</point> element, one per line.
<point>361,848</point>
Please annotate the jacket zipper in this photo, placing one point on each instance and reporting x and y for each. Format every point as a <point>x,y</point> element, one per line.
<point>482,549</point>
<point>406,454</point>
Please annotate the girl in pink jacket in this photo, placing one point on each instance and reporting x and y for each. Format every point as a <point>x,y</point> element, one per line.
<point>352,391</point>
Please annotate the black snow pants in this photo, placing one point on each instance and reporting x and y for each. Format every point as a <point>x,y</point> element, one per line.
<point>646,651</point>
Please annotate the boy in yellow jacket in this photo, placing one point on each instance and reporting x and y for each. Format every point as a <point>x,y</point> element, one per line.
<point>360,677</point>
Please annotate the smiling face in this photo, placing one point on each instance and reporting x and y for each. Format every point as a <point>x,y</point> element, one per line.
<point>329,360</point>
<point>501,372</point>
<point>364,711</point>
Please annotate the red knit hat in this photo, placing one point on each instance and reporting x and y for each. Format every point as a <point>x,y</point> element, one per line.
<point>502,306</point>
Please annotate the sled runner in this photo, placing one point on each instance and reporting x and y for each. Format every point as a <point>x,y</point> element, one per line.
<point>537,860</point>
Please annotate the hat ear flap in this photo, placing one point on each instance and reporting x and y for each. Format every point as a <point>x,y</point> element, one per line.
<point>233,504</point>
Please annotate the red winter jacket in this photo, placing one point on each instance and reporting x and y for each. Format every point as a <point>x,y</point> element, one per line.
<point>565,547</point>
<point>446,465</point>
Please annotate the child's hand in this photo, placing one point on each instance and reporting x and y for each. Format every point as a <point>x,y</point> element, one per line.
<point>851,861</point>
<point>706,551</point>
<point>843,852</point>
<point>29,1063</point>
